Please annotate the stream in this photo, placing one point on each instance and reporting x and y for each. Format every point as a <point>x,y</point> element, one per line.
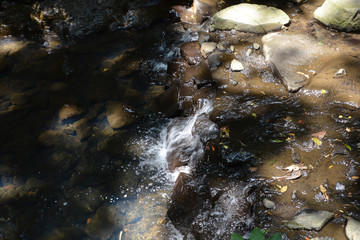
<point>114,135</point>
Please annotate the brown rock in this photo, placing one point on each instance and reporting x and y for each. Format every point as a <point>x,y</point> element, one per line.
<point>119,115</point>
<point>18,99</point>
<point>83,130</point>
<point>104,223</point>
<point>176,69</point>
<point>68,111</point>
<point>191,52</point>
<point>200,74</point>
<point>187,200</point>
<point>167,102</point>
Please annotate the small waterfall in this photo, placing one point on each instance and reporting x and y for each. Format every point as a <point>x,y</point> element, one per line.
<point>180,143</point>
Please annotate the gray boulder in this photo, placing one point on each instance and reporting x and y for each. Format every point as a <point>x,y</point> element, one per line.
<point>352,229</point>
<point>289,57</point>
<point>250,18</point>
<point>340,14</point>
<point>310,220</point>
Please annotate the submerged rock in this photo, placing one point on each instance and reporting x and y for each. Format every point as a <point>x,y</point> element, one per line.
<point>104,223</point>
<point>310,220</point>
<point>289,59</point>
<point>268,203</point>
<point>69,111</point>
<point>119,115</point>
<point>250,18</point>
<point>187,200</point>
<point>352,229</point>
<point>340,14</point>
<point>63,233</point>
<point>191,52</point>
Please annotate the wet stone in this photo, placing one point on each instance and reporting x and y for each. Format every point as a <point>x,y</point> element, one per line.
<point>58,140</point>
<point>268,203</point>
<point>87,200</point>
<point>187,200</point>
<point>310,220</point>
<point>207,48</point>
<point>33,184</point>
<point>352,229</point>
<point>106,221</point>
<point>200,74</point>
<point>83,130</point>
<point>68,111</point>
<point>18,99</point>
<point>63,233</point>
<point>119,115</point>
<point>191,52</point>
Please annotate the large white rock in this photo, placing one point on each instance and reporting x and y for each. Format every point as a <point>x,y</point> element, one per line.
<point>290,56</point>
<point>310,220</point>
<point>340,14</point>
<point>250,18</point>
<point>352,229</point>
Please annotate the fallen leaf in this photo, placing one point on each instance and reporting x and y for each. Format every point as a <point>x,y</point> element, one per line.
<point>253,169</point>
<point>317,141</point>
<point>262,92</point>
<point>323,91</point>
<point>348,129</point>
<point>242,144</point>
<point>301,122</point>
<point>349,117</point>
<point>323,191</point>
<point>355,177</point>
<point>272,162</point>
<point>226,147</point>
<point>277,141</point>
<point>331,166</point>
<point>212,148</point>
<point>225,132</point>
<point>283,189</point>
<point>253,114</point>
<point>319,135</point>
<point>341,116</point>
<point>88,220</point>
<point>311,166</point>
<point>348,146</point>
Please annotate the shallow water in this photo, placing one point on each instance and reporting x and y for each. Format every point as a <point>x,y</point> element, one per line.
<point>88,180</point>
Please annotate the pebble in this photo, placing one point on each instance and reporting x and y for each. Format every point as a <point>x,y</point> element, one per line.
<point>339,187</point>
<point>248,52</point>
<point>268,203</point>
<point>256,46</point>
<point>340,73</point>
<point>236,66</point>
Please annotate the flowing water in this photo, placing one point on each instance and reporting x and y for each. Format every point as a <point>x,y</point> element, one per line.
<point>200,172</point>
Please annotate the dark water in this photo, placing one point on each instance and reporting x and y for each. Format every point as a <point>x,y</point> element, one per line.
<point>67,174</point>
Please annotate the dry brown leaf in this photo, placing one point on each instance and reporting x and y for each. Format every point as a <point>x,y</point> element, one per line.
<point>319,135</point>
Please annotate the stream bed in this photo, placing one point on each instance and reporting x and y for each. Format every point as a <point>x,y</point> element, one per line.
<point>116,136</point>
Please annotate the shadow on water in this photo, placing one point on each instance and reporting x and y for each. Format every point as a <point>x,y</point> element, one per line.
<point>66,171</point>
